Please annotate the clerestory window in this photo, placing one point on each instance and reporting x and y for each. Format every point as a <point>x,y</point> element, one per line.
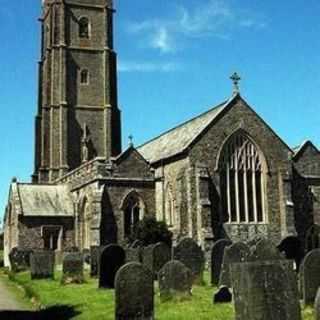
<point>242,176</point>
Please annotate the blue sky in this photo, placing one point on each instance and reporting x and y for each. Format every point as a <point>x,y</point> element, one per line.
<point>175,59</point>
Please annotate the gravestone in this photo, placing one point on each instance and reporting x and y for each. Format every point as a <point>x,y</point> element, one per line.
<point>133,255</point>
<point>264,250</point>
<point>175,281</point>
<point>222,296</point>
<point>156,256</point>
<point>94,260</point>
<point>136,244</point>
<point>112,258</point>
<point>310,276</point>
<point>237,252</point>
<point>191,255</point>
<point>72,268</point>
<point>317,305</point>
<point>216,259</point>
<point>42,264</point>
<point>265,290</point>
<point>134,293</point>
<point>19,259</point>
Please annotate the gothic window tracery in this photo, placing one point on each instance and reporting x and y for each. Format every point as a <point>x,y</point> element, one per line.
<point>242,174</point>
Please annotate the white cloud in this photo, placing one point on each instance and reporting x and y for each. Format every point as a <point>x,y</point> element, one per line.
<point>162,41</point>
<point>133,66</point>
<point>214,18</point>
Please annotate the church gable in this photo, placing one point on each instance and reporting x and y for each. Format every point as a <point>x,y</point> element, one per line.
<point>307,159</point>
<point>238,116</point>
<point>131,164</point>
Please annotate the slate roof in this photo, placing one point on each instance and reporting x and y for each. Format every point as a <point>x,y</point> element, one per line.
<point>179,138</point>
<point>299,149</point>
<point>45,200</point>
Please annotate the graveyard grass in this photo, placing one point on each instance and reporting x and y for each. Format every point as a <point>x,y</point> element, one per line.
<point>93,303</point>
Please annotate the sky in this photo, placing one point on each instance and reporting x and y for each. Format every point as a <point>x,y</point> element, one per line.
<point>175,58</point>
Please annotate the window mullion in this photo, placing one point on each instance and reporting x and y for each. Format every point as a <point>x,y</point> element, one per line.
<point>246,194</point>
<point>263,198</point>
<point>254,191</point>
<point>237,184</point>
<point>228,192</point>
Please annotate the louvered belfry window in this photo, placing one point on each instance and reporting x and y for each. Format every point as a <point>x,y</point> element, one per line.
<point>242,174</point>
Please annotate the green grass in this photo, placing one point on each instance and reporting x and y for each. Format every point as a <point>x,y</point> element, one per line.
<point>93,303</point>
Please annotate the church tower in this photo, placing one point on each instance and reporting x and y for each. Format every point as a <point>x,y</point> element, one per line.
<point>78,117</point>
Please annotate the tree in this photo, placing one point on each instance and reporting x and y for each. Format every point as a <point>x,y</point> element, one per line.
<point>151,231</point>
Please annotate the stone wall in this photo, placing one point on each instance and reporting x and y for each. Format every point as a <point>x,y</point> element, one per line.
<point>30,231</point>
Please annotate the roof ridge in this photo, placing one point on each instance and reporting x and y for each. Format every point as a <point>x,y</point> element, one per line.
<point>184,123</point>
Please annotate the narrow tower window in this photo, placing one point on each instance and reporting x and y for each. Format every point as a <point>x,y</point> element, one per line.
<point>84,27</point>
<point>84,76</point>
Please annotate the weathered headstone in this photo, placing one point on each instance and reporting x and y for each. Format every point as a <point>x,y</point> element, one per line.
<point>175,280</point>
<point>223,295</point>
<point>310,276</point>
<point>72,268</point>
<point>134,293</point>
<point>264,250</point>
<point>265,290</point>
<point>191,255</point>
<point>216,259</point>
<point>94,260</point>
<point>156,256</point>
<point>237,252</point>
<point>112,258</point>
<point>317,305</point>
<point>42,264</point>
<point>133,255</point>
<point>19,259</point>
<point>136,244</point>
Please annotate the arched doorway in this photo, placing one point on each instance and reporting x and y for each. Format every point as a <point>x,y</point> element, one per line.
<point>133,211</point>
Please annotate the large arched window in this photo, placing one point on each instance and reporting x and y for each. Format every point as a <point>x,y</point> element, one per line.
<point>84,28</point>
<point>242,175</point>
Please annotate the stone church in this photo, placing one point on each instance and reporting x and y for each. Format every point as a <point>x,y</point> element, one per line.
<point>223,174</point>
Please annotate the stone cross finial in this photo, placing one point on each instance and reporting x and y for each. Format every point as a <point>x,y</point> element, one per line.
<point>235,79</point>
<point>130,140</point>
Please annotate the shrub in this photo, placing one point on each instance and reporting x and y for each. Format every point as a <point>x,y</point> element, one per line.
<point>150,231</point>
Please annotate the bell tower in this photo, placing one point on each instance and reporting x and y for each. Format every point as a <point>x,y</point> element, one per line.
<point>78,117</point>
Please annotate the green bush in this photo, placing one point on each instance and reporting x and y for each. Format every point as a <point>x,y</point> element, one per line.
<point>150,231</point>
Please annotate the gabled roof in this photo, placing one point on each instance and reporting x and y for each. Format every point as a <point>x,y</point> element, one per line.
<point>126,153</point>
<point>300,149</point>
<point>178,139</point>
<point>45,200</point>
